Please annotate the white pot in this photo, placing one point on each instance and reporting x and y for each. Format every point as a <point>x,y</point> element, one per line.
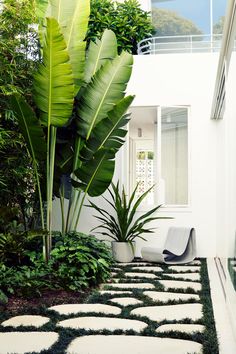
<point>123,251</point>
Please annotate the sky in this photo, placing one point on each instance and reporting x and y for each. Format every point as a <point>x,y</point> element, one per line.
<point>196,10</point>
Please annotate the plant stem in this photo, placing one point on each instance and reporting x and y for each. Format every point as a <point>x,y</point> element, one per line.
<point>75,195</point>
<point>51,145</point>
<point>62,203</point>
<point>79,211</point>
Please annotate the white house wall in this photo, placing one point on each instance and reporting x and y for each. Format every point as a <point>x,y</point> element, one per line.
<point>187,80</point>
<point>178,79</point>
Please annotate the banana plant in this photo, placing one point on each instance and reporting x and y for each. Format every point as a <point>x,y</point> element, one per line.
<point>80,113</point>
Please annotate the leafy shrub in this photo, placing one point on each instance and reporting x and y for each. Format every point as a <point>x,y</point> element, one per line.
<point>14,247</point>
<point>3,298</point>
<point>80,260</point>
<point>127,20</point>
<point>27,281</point>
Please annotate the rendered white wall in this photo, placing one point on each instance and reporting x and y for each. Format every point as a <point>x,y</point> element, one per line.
<point>186,79</point>
<point>179,79</point>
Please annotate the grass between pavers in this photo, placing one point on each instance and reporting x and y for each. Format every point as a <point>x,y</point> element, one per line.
<point>208,339</point>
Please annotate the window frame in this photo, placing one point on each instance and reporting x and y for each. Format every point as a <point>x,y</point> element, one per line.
<point>157,146</point>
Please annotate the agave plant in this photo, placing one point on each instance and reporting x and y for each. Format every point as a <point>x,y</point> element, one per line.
<point>78,124</point>
<point>120,225</point>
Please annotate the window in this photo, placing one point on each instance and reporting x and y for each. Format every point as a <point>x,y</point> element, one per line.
<point>158,154</point>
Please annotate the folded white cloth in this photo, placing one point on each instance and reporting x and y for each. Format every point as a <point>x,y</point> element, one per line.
<point>179,248</point>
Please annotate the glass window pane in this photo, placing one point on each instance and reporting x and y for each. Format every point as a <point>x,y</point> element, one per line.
<point>174,154</point>
<point>142,132</point>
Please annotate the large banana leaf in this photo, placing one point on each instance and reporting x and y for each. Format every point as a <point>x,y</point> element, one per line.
<point>73,16</point>
<point>99,52</point>
<point>103,92</point>
<point>109,133</point>
<point>30,128</point>
<point>41,7</point>
<point>53,83</point>
<point>95,175</point>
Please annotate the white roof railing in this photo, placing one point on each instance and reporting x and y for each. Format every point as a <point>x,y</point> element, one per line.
<point>180,44</point>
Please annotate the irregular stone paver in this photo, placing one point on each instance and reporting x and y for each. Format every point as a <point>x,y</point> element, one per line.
<point>141,275</point>
<point>26,320</point>
<point>126,301</point>
<point>134,264</point>
<point>185,268</point>
<point>184,328</point>
<point>187,276</point>
<point>114,292</point>
<point>131,286</point>
<point>196,262</point>
<point>179,284</point>
<point>113,274</point>
<point>68,309</point>
<point>101,323</point>
<point>132,345</point>
<point>25,342</point>
<point>170,312</point>
<point>166,296</point>
<point>149,269</point>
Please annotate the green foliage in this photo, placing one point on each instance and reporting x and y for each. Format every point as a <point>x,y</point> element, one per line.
<point>15,247</point>
<point>26,281</point>
<point>129,22</point>
<point>169,23</point>
<point>77,261</point>
<point>73,125</point>
<point>17,183</point>
<point>3,298</point>
<point>121,225</point>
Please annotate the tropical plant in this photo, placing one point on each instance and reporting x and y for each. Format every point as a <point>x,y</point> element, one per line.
<point>121,225</point>
<point>77,261</point>
<point>129,22</point>
<point>80,260</point>
<point>78,124</point>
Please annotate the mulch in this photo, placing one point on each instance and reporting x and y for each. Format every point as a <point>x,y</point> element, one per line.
<point>48,298</point>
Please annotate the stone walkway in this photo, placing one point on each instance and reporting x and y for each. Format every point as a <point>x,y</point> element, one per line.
<point>135,314</point>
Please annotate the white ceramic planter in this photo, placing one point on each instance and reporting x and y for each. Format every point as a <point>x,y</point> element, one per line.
<point>123,251</point>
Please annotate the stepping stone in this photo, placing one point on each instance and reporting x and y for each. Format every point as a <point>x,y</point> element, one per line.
<point>184,328</point>
<point>195,263</point>
<point>131,286</point>
<point>115,280</point>
<point>166,296</point>
<point>185,268</point>
<point>170,312</point>
<point>179,284</point>
<point>103,323</point>
<point>113,274</point>
<point>149,269</point>
<point>126,301</point>
<point>114,292</point>
<point>141,275</point>
<point>84,308</point>
<point>187,276</point>
<point>26,320</point>
<point>116,269</point>
<point>26,342</point>
<point>134,264</point>
<point>115,344</point>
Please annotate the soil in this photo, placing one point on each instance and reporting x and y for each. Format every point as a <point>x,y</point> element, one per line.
<point>48,298</point>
